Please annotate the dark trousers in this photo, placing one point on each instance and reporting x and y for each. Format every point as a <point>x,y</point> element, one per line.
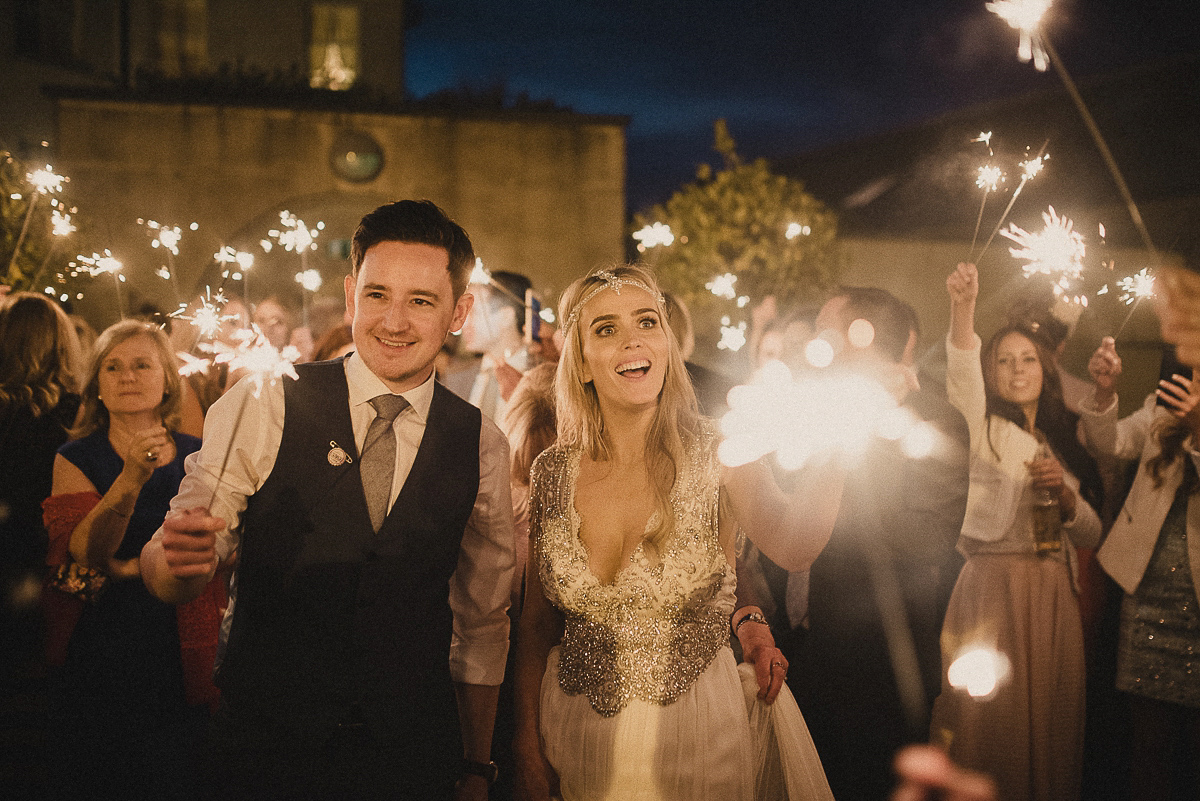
<point>343,762</point>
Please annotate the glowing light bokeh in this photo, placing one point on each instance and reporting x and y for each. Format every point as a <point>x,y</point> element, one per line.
<point>478,274</point>
<point>654,235</point>
<point>722,286</point>
<point>796,229</point>
<point>860,333</point>
<point>733,337</point>
<point>819,352</point>
<point>821,414</point>
<point>309,279</point>
<point>979,670</point>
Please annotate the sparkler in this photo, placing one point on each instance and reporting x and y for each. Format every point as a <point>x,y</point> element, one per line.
<point>97,264</point>
<point>44,182</point>
<point>263,366</point>
<point>1026,16</point>
<point>167,238</point>
<point>1030,169</point>
<point>481,277</point>
<point>988,178</point>
<point>227,256</point>
<point>836,414</point>
<point>310,280</point>
<point>1057,251</point>
<point>1137,287</point>
<point>60,226</point>
<point>986,138</point>
<point>1134,289</point>
<point>208,318</point>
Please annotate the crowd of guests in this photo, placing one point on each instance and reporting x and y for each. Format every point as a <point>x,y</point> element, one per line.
<point>593,526</point>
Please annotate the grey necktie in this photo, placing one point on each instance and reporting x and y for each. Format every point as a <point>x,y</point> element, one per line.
<point>377,462</point>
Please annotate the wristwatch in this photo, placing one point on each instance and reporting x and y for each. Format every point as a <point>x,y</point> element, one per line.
<point>487,770</point>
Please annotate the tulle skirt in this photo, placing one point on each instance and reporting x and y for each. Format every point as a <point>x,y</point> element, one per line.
<point>716,742</point>
<point>1029,735</point>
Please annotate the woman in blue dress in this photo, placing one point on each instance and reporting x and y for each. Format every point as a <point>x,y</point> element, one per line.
<point>120,713</point>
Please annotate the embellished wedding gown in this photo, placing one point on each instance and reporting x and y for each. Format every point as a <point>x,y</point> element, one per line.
<point>643,699</point>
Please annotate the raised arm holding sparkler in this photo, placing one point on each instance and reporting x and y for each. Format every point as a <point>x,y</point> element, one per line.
<point>1031,481</point>
<point>1153,552</point>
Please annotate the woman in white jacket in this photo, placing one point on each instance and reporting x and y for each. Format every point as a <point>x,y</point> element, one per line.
<point>1011,595</point>
<point>1153,552</point>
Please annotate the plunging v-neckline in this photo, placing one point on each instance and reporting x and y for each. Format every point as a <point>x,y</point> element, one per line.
<point>577,527</point>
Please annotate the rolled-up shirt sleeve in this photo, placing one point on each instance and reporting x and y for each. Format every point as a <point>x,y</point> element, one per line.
<point>242,432</point>
<point>481,584</point>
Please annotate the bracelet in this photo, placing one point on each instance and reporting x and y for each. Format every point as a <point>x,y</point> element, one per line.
<point>118,512</point>
<point>752,617</point>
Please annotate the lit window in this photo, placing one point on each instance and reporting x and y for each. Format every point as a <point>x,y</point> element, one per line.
<point>333,54</point>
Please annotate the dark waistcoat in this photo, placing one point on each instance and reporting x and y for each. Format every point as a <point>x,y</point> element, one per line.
<point>337,623</point>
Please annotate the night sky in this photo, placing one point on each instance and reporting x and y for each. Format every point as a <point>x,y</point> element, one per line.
<point>790,76</point>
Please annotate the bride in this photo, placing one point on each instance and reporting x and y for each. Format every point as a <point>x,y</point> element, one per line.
<point>626,685</point>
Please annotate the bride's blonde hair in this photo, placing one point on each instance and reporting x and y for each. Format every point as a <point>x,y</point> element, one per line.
<point>676,421</point>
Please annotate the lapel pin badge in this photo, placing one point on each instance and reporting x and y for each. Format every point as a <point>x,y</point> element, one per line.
<point>336,455</point>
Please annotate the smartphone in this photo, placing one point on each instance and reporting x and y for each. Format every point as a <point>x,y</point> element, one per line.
<point>533,317</point>
<point>1170,367</point>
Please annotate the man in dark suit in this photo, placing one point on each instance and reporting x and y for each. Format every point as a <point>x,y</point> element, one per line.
<point>866,668</point>
<point>371,514</point>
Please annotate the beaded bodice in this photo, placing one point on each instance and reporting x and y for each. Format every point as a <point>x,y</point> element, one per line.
<point>651,632</point>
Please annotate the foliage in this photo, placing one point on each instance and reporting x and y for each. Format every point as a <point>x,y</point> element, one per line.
<point>736,221</point>
<point>37,258</point>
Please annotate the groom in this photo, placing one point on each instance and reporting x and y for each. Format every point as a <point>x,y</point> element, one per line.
<point>371,516</point>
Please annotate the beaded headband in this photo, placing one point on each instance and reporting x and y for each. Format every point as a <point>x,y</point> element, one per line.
<point>614,282</point>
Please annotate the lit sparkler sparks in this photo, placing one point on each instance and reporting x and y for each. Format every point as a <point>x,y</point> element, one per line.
<point>1025,16</point>
<point>986,138</point>
<point>98,264</point>
<point>46,181</point>
<point>254,355</point>
<point>1056,251</point>
<point>654,235</point>
<point>1030,168</point>
<point>61,224</point>
<point>722,286</point>
<point>294,234</point>
<point>262,365</point>
<point>1136,287</point>
<point>989,177</point>
<point>207,318</point>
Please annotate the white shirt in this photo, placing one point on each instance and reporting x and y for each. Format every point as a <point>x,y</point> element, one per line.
<point>479,587</point>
